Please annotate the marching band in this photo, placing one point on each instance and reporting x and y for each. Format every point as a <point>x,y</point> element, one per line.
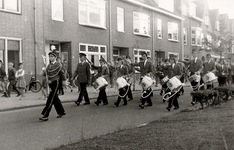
<point>172,73</point>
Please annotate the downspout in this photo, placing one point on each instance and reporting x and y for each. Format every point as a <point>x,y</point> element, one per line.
<point>35,40</point>
<point>110,36</point>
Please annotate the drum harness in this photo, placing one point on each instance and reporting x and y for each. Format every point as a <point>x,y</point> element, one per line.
<point>122,96</point>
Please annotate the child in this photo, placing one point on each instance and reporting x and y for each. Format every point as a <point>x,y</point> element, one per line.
<point>20,83</point>
<point>44,84</point>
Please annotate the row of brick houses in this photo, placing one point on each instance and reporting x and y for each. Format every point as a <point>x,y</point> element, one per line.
<point>107,28</point>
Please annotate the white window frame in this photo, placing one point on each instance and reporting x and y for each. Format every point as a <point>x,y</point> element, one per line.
<point>166,4</point>
<point>138,55</point>
<point>141,20</point>
<point>120,19</point>
<point>159,27</point>
<point>6,50</point>
<point>173,53</point>
<point>185,36</point>
<point>193,9</point>
<point>173,29</point>
<point>197,35</point>
<point>99,53</point>
<point>217,25</point>
<point>206,20</point>
<point>4,6</point>
<point>57,10</point>
<point>88,5</point>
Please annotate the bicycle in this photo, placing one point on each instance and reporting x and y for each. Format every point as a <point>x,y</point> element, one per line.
<point>33,85</point>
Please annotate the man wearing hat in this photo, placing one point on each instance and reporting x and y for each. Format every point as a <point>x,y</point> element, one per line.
<point>103,71</point>
<point>82,74</point>
<point>208,66</point>
<point>54,73</point>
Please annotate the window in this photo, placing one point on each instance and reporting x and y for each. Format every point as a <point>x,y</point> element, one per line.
<point>196,36</point>
<point>217,25</point>
<point>141,24</point>
<point>94,52</point>
<point>206,20</point>
<point>185,36</point>
<point>209,39</point>
<point>137,54</point>
<point>92,13</point>
<point>166,4</point>
<point>159,23</point>
<point>57,10</point>
<point>192,9</point>
<point>120,19</point>
<point>172,54</point>
<point>172,31</point>
<point>11,5</point>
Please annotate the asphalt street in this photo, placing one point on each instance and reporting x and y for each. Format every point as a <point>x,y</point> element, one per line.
<point>22,130</point>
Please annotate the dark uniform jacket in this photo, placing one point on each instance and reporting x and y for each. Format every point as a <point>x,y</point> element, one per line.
<point>222,70</point>
<point>195,66</point>
<point>82,72</point>
<point>102,71</point>
<point>122,71</point>
<point>144,69</point>
<point>11,75</point>
<point>208,66</point>
<point>176,70</point>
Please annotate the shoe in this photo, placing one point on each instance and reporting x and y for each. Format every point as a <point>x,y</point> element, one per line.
<point>193,103</point>
<point>117,105</point>
<point>86,103</point>
<point>161,93</point>
<point>60,116</point>
<point>96,103</point>
<point>77,103</point>
<point>142,106</point>
<point>44,119</point>
<point>176,108</point>
<point>168,108</point>
<point>148,105</point>
<point>130,99</point>
<point>164,101</point>
<point>18,95</point>
<point>125,104</point>
<point>105,103</point>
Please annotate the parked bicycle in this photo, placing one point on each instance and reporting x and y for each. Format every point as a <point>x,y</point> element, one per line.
<point>33,85</point>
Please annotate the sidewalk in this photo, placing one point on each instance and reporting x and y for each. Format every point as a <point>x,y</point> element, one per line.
<point>32,99</point>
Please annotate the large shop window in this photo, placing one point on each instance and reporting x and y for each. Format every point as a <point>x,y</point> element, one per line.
<point>137,54</point>
<point>10,5</point>
<point>172,31</point>
<point>141,24</point>
<point>120,19</point>
<point>92,13</point>
<point>10,51</point>
<point>93,52</point>
<point>57,10</point>
<point>196,35</point>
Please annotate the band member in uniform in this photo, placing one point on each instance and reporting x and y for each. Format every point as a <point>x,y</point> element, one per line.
<point>222,71</point>
<point>54,73</point>
<point>103,71</point>
<point>130,74</point>
<point>122,71</point>
<point>82,74</point>
<point>175,70</point>
<point>146,68</point>
<point>208,66</point>
<point>195,67</point>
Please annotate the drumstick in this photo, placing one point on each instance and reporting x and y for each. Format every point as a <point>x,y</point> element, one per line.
<point>88,61</point>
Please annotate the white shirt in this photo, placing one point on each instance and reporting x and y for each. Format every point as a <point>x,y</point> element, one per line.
<point>145,62</point>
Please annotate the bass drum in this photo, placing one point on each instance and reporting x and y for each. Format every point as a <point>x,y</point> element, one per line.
<point>121,83</point>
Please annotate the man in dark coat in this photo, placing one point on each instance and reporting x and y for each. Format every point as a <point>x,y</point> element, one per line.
<point>12,79</point>
<point>83,76</point>
<point>2,78</point>
<point>222,72</point>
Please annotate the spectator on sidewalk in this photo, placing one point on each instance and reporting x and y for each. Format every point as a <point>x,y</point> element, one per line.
<point>2,77</point>
<point>20,83</point>
<point>44,83</point>
<point>12,80</point>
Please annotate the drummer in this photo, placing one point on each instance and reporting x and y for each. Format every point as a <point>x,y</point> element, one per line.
<point>208,66</point>
<point>175,70</point>
<point>146,68</point>
<point>130,74</point>
<point>103,71</point>
<point>122,71</point>
<point>195,67</point>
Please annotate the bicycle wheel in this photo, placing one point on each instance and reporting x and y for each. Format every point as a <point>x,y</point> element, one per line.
<point>35,86</point>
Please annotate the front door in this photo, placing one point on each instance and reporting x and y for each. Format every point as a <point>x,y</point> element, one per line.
<point>66,56</point>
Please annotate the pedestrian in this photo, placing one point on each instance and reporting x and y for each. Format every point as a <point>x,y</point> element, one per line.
<point>44,83</point>
<point>122,71</point>
<point>222,72</point>
<point>103,71</point>
<point>2,79</point>
<point>82,74</point>
<point>20,81</point>
<point>129,77</point>
<point>54,72</point>
<point>12,80</point>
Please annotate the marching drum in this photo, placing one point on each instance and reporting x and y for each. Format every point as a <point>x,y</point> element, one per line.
<point>100,83</point>
<point>195,78</point>
<point>164,80</point>
<point>121,83</point>
<point>174,83</point>
<point>147,82</point>
<point>209,77</point>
